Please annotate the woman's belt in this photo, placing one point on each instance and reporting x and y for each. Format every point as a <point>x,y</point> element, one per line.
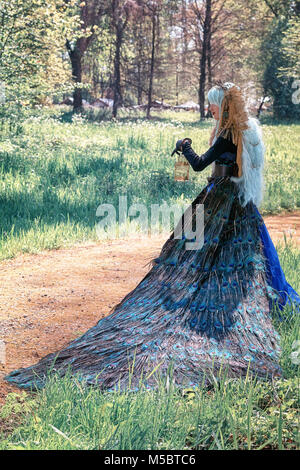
<point>225,170</point>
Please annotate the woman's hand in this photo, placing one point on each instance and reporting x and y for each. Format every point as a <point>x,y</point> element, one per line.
<point>179,145</point>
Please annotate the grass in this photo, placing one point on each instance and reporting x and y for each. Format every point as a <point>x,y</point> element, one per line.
<point>60,168</point>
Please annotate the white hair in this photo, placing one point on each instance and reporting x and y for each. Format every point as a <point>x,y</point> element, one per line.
<point>251,183</point>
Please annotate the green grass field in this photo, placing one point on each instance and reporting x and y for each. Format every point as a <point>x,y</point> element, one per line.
<point>53,177</point>
<point>57,172</point>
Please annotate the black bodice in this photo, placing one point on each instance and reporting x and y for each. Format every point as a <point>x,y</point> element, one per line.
<point>222,151</point>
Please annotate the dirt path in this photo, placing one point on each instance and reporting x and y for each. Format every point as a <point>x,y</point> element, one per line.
<point>50,298</point>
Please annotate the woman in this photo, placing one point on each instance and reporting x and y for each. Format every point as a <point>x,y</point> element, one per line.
<point>200,311</point>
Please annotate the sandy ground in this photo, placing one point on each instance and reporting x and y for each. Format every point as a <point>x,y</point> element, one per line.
<point>50,298</point>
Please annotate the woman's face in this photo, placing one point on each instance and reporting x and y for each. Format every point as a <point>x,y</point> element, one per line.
<point>214,109</point>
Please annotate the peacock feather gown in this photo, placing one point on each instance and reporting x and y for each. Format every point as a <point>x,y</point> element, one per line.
<point>196,313</point>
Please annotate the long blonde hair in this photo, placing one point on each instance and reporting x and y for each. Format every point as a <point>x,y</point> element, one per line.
<point>233,116</point>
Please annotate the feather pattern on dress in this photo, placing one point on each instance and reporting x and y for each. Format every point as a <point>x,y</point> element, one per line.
<point>199,310</point>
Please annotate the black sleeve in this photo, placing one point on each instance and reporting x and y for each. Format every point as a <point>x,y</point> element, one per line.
<point>198,163</point>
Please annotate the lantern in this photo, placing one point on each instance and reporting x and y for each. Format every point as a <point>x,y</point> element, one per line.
<point>181,169</point>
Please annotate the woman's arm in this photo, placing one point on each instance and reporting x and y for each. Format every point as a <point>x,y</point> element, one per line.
<point>197,162</point>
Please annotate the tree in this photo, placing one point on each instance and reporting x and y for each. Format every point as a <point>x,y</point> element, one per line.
<point>136,60</point>
<point>91,13</point>
<point>204,19</point>
<point>154,8</point>
<point>31,47</point>
<point>291,44</point>
<point>209,22</point>
<point>121,12</point>
<point>282,58</point>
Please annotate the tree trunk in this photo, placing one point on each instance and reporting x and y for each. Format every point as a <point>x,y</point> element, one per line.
<point>260,107</point>
<point>152,65</point>
<point>90,13</point>
<point>177,92</point>
<point>117,75</point>
<point>209,72</point>
<point>209,68</point>
<point>139,67</point>
<point>206,35</point>
<point>139,86</point>
<point>75,57</point>
<point>185,39</point>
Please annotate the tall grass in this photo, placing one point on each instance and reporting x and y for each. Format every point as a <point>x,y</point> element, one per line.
<point>57,172</point>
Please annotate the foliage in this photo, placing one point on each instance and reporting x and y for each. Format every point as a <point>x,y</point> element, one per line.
<point>32,43</point>
<point>33,65</point>
<point>43,44</point>
<point>291,45</point>
<point>276,83</point>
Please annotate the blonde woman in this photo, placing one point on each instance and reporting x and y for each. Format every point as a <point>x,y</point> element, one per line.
<point>197,311</point>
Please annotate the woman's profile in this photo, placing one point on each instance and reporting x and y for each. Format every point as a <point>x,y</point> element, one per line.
<point>199,310</point>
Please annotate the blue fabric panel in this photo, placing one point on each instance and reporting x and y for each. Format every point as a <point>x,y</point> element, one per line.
<point>275,274</point>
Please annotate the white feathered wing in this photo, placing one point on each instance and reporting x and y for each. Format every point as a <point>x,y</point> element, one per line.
<point>251,183</point>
